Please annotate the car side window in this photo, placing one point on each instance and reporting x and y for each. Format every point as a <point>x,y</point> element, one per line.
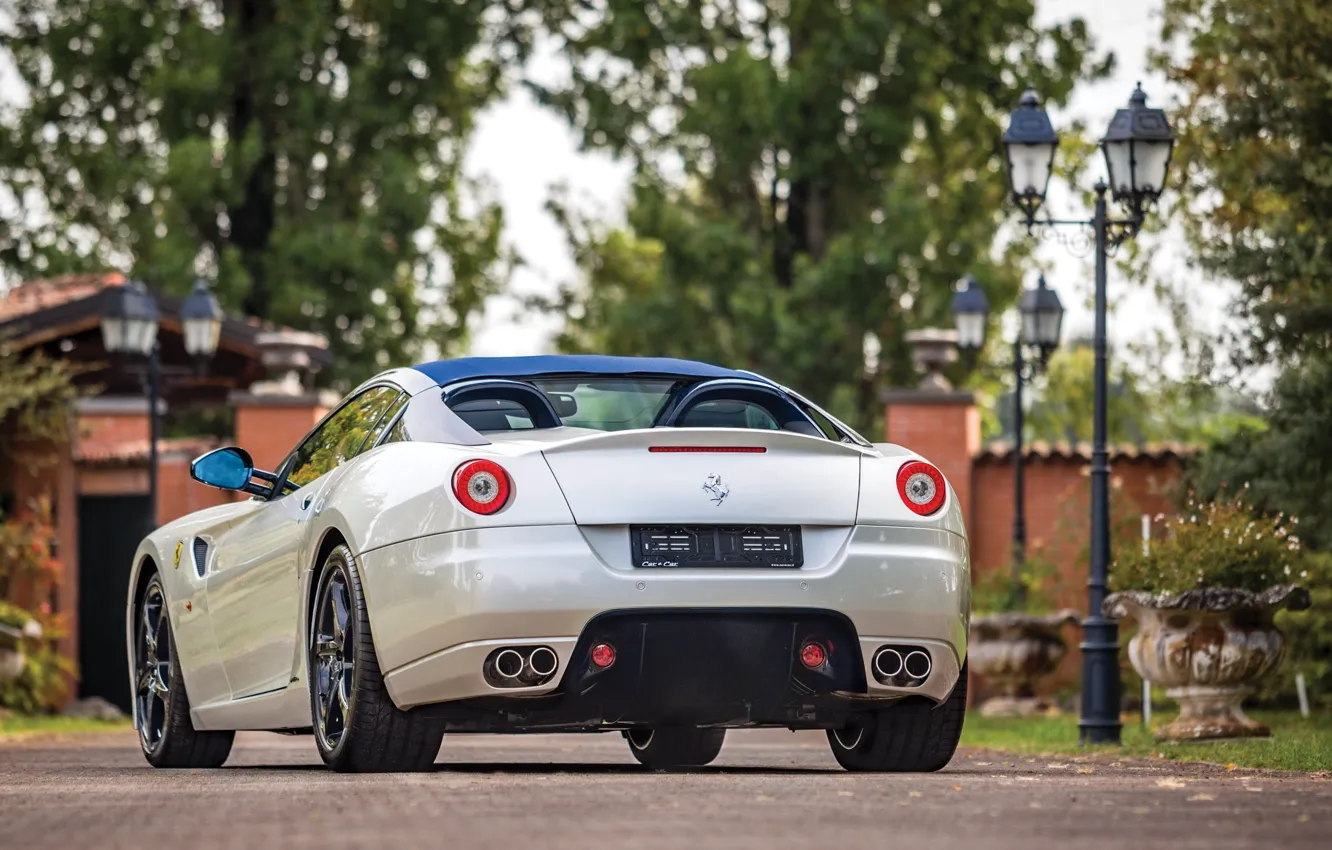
<point>385,420</point>
<point>341,437</point>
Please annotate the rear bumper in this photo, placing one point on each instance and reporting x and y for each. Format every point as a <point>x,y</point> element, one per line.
<point>439,605</point>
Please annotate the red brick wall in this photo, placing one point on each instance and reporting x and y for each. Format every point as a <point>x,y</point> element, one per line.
<point>269,431</point>
<point>944,428</point>
<point>99,431</point>
<point>1058,503</point>
<point>178,494</point>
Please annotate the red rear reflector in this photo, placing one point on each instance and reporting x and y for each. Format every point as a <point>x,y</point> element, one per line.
<point>812,655</point>
<point>921,487</point>
<point>603,655</point>
<point>733,450</point>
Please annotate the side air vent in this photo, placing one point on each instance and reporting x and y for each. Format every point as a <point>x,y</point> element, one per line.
<point>200,556</point>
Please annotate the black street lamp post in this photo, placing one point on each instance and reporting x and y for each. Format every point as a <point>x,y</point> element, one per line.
<point>129,326</point>
<point>1137,148</point>
<point>1042,319</point>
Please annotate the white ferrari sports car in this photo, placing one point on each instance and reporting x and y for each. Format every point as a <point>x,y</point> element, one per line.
<point>660,548</point>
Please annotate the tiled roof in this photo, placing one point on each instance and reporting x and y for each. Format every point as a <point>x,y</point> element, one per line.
<point>128,452</point>
<point>1082,451</point>
<point>33,295</point>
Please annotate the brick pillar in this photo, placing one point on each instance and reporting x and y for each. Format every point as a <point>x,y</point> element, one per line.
<point>269,426</point>
<point>942,426</point>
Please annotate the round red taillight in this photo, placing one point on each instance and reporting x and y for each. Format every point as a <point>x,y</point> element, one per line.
<point>603,655</point>
<point>482,486</point>
<point>922,487</point>
<point>812,655</point>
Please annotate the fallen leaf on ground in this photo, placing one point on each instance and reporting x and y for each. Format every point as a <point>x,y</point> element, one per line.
<point>984,763</point>
<point>1231,766</point>
<point>1303,818</point>
<point>957,787</point>
<point>1169,783</point>
<point>1197,798</point>
<point>913,793</point>
<point>1085,770</point>
<point>1055,765</point>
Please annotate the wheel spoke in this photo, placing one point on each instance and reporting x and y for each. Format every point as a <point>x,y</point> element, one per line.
<point>327,647</point>
<point>144,685</point>
<point>341,608</point>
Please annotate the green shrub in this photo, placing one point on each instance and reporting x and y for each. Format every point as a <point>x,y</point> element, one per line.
<point>1308,642</point>
<point>1214,544</point>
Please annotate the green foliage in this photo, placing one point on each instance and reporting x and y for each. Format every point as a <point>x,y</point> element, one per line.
<point>1214,544</point>
<point>13,616</point>
<point>36,398</point>
<point>811,176</point>
<point>1253,160</point>
<point>1032,590</point>
<point>1139,409</point>
<point>1286,465</point>
<point>309,154</point>
<point>1308,642</point>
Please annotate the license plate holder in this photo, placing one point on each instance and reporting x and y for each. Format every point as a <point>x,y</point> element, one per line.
<point>714,546</point>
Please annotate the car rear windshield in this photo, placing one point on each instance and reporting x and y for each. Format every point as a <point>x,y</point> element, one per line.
<point>608,403</point>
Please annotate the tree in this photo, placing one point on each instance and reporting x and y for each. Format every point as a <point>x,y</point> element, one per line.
<point>1285,465</point>
<point>308,153</point>
<point>810,176</point>
<point>1139,409</point>
<point>1253,161</point>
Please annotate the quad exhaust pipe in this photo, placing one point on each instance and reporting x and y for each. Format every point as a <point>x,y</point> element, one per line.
<point>543,662</point>
<point>520,666</point>
<point>888,663</point>
<point>902,666</point>
<point>509,664</point>
<point>917,665</point>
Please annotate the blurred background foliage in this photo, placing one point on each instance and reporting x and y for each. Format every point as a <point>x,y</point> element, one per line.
<point>811,177</point>
<point>306,154</point>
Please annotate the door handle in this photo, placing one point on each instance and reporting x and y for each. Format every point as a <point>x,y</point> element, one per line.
<point>305,503</point>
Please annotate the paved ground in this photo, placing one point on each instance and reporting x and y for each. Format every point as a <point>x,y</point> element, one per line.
<point>768,789</point>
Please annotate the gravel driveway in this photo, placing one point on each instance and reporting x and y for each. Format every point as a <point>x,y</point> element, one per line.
<point>768,789</point>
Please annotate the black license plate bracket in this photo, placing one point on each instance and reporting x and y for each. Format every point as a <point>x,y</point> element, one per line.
<point>715,546</point>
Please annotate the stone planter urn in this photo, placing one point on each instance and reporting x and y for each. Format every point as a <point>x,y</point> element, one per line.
<point>11,648</point>
<point>1011,651</point>
<point>1207,648</point>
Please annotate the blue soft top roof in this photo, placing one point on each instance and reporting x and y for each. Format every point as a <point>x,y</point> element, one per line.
<point>463,368</point>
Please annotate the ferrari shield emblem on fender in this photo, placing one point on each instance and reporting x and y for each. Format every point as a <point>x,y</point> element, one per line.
<point>716,490</point>
<point>179,546</point>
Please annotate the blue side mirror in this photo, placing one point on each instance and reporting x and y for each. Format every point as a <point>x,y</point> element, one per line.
<point>229,468</point>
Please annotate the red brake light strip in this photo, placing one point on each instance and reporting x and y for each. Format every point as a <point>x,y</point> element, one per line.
<point>737,450</point>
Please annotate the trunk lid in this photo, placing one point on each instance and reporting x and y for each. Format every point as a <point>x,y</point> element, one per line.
<point>707,475</point>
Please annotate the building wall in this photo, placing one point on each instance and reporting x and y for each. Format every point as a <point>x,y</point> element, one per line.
<point>1058,511</point>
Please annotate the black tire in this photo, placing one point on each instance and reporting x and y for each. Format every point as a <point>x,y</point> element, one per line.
<point>913,736</point>
<point>357,727</point>
<point>166,735</point>
<point>675,746</point>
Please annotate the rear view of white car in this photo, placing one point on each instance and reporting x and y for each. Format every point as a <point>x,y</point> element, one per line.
<point>661,548</point>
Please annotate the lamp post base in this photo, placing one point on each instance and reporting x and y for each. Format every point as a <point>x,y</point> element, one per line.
<point>1100,723</point>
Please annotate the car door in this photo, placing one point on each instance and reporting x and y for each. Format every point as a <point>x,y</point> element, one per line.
<point>254,589</point>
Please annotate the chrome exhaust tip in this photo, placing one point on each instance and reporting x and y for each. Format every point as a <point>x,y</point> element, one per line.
<point>509,664</point>
<point>917,664</point>
<point>888,662</point>
<point>543,661</point>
